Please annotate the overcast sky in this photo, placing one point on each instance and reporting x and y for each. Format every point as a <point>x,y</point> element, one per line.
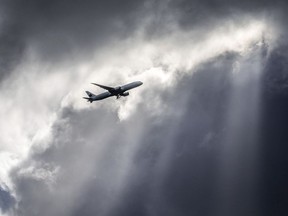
<point>206,134</point>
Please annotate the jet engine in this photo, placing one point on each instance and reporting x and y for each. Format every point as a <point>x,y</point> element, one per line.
<point>125,94</point>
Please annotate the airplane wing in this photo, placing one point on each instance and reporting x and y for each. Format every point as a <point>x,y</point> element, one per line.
<point>104,87</point>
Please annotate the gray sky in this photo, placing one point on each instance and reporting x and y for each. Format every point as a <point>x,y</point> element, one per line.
<point>205,134</point>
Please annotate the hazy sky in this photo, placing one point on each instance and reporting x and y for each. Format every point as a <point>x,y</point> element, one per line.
<point>206,134</point>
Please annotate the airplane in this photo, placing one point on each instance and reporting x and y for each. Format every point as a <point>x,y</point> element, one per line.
<point>117,91</point>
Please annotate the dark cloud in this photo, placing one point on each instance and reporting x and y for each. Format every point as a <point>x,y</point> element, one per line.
<point>60,30</point>
<point>206,11</point>
<point>73,30</point>
<point>61,27</point>
<point>204,15</point>
<point>274,135</point>
<point>12,47</point>
<point>147,165</point>
<point>171,165</point>
<point>7,201</point>
<point>276,72</point>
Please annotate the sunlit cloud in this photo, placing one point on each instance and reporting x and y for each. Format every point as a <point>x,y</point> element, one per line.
<point>158,63</point>
<point>32,101</point>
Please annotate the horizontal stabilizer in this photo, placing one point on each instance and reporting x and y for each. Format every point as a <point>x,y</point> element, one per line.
<point>88,99</point>
<point>104,87</point>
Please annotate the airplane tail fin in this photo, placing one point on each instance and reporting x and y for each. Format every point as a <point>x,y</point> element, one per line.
<point>89,99</point>
<point>89,94</point>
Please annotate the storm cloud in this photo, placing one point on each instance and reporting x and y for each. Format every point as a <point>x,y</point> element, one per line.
<point>205,135</point>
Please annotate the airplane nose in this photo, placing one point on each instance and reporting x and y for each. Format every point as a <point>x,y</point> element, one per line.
<point>140,83</point>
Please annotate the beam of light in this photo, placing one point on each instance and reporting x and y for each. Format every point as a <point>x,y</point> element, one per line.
<point>239,168</point>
